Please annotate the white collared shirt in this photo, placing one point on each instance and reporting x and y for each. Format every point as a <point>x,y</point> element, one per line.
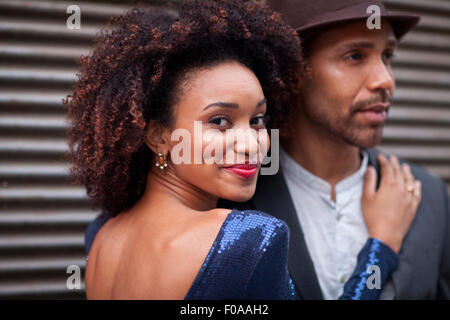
<point>334,232</point>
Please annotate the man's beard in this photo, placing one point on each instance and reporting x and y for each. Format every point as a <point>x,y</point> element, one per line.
<point>343,127</point>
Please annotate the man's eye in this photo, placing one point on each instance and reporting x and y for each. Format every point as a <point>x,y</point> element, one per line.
<point>388,56</point>
<point>354,56</point>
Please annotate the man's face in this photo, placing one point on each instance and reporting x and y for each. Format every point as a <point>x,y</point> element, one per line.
<point>350,83</point>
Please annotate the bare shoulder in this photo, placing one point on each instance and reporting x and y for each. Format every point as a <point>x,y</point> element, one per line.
<point>184,255</point>
<point>154,261</point>
<point>105,250</point>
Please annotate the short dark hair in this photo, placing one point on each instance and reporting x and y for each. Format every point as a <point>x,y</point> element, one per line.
<point>131,76</point>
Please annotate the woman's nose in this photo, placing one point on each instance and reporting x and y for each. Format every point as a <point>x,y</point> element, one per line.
<point>247,143</point>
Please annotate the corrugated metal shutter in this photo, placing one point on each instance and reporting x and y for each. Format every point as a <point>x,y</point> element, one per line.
<point>418,127</point>
<point>43,217</point>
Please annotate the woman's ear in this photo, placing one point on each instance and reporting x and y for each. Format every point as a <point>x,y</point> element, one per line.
<point>156,137</point>
<point>306,71</point>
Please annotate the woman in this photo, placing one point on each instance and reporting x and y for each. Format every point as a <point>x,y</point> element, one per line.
<point>224,65</point>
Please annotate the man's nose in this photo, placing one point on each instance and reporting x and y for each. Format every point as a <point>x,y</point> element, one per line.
<point>381,77</point>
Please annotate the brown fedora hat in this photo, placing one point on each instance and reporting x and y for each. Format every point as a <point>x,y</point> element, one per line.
<point>305,15</point>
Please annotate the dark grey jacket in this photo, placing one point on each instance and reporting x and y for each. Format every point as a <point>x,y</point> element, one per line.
<point>424,260</point>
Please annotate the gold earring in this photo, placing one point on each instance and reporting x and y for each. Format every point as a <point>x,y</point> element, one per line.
<point>161,161</point>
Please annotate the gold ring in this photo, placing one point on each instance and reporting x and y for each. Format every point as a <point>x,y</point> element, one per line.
<point>410,187</point>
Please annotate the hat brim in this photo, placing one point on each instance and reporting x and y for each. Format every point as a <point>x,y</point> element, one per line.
<point>401,23</point>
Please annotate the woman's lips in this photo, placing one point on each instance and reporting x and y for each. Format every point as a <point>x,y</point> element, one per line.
<point>243,170</point>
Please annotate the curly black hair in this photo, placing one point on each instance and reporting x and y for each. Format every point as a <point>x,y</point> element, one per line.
<point>132,77</point>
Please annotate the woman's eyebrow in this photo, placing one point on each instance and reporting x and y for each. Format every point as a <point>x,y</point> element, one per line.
<point>230,104</point>
<point>264,100</point>
<point>222,104</point>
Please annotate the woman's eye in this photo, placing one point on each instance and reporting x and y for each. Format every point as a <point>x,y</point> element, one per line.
<point>219,121</point>
<point>258,121</point>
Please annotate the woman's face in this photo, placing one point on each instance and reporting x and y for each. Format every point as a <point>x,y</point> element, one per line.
<point>219,120</point>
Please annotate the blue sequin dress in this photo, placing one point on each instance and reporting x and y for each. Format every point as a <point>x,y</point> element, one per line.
<point>248,260</point>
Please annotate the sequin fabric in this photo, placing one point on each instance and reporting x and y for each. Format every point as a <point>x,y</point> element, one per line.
<point>248,260</point>
<point>362,283</point>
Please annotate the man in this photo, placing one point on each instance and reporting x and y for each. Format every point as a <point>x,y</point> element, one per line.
<point>345,96</point>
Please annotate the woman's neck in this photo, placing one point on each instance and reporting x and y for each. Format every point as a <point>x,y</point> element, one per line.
<point>168,190</point>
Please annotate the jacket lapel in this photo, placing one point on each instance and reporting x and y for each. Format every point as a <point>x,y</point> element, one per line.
<point>374,163</point>
<point>272,196</point>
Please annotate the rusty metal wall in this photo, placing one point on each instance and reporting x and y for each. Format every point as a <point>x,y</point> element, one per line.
<point>43,216</point>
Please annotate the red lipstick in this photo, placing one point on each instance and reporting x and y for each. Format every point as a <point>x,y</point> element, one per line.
<point>244,170</point>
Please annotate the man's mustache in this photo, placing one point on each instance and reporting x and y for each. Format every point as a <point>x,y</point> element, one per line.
<point>382,97</point>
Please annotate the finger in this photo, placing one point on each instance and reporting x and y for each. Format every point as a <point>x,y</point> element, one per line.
<point>398,174</point>
<point>418,190</point>
<point>416,196</point>
<point>385,168</point>
<point>409,178</point>
<point>370,182</point>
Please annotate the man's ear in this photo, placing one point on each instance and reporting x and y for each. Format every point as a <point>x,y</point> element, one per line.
<point>156,137</point>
